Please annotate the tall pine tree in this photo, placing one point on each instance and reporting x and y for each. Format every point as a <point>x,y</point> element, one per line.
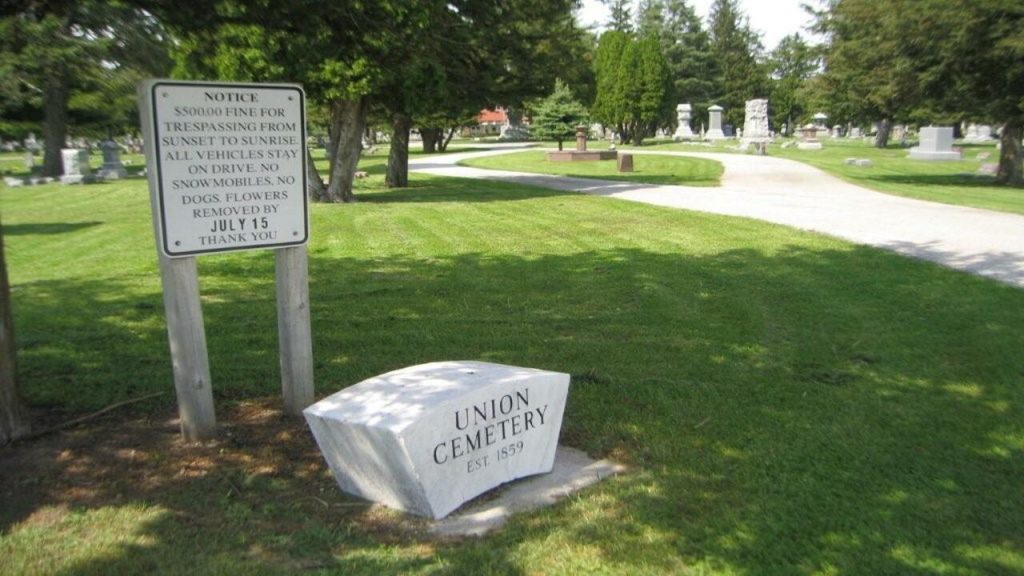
<point>736,49</point>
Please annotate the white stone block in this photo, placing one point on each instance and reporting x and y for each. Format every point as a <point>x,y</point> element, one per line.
<point>935,143</point>
<point>427,438</point>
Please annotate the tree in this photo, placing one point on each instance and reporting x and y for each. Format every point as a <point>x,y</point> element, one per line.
<point>634,87</point>
<point>619,16</point>
<point>57,48</point>
<point>871,65</point>
<point>736,49</point>
<point>557,116</point>
<point>687,49</point>
<point>981,71</point>
<point>793,63</point>
<point>610,99</point>
<point>14,421</point>
<point>923,61</point>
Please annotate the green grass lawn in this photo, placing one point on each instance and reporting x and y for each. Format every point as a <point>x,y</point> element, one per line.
<point>894,172</point>
<point>647,169</point>
<point>788,403</point>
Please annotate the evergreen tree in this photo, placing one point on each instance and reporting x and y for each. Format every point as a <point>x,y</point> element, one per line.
<point>610,101</point>
<point>557,116</point>
<point>619,18</point>
<point>686,47</point>
<point>61,49</point>
<point>736,49</point>
<point>793,64</point>
<point>916,60</point>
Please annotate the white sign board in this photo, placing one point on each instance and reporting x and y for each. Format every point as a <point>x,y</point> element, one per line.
<point>227,165</point>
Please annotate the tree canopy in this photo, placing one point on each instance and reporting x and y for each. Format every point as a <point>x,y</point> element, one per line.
<point>557,116</point>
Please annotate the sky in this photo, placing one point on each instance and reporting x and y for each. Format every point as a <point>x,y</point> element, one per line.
<point>773,18</point>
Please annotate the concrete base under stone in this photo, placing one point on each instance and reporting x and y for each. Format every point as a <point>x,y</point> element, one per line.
<point>715,135</point>
<point>573,471</point>
<point>918,154</point>
<point>809,145</point>
<point>582,156</point>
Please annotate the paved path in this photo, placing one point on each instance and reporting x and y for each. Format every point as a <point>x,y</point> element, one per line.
<point>787,192</point>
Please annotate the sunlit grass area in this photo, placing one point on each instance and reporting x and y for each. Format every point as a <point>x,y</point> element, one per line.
<point>647,169</point>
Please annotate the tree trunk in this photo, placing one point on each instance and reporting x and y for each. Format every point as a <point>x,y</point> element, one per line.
<point>314,183</point>
<point>1010,154</point>
<point>398,158</point>
<point>637,133</point>
<point>882,137</point>
<point>13,416</point>
<point>451,133</point>
<point>348,119</point>
<point>431,137</point>
<point>58,91</point>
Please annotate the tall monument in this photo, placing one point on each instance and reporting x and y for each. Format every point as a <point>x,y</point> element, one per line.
<point>715,123</point>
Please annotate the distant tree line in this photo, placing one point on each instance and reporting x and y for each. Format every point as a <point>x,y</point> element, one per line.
<point>393,65</point>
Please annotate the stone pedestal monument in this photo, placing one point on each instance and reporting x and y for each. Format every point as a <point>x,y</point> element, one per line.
<point>76,166</point>
<point>683,131</point>
<point>715,123</point>
<point>112,168</point>
<point>581,153</point>
<point>936,143</point>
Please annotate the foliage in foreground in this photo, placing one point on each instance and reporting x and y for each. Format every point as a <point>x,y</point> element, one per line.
<point>788,403</point>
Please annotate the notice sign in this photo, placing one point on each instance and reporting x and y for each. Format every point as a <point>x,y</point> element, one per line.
<point>227,165</point>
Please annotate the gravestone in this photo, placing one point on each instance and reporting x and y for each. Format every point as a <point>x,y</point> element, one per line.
<point>978,133</point>
<point>683,131</point>
<point>112,168</point>
<point>935,144</point>
<point>755,121</point>
<point>715,124</point>
<point>427,438</point>
<point>625,163</point>
<point>854,132</point>
<point>729,130</point>
<point>76,166</point>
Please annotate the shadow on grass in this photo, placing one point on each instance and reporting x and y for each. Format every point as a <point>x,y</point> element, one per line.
<point>46,228</point>
<point>456,190</point>
<point>805,411</point>
<point>963,180</point>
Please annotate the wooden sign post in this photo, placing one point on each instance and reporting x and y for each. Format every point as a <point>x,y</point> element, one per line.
<point>227,172</point>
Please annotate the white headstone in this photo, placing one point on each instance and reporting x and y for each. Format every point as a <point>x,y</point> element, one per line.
<point>683,131</point>
<point>935,143</point>
<point>978,133</point>
<point>715,124</point>
<point>427,438</point>
<point>76,166</point>
<point>755,121</point>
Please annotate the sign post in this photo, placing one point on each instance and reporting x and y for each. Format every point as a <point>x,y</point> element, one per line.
<point>227,172</point>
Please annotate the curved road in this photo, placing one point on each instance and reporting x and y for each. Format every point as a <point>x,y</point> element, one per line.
<point>787,192</point>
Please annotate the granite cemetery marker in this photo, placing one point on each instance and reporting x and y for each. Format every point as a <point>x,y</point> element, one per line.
<point>427,438</point>
<point>226,168</point>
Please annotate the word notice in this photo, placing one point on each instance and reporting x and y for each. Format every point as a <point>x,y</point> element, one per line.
<point>230,166</point>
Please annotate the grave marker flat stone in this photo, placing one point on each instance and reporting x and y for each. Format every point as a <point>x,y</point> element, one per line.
<point>427,438</point>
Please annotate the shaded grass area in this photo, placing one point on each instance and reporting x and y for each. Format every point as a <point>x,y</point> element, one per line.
<point>789,403</point>
<point>646,169</point>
